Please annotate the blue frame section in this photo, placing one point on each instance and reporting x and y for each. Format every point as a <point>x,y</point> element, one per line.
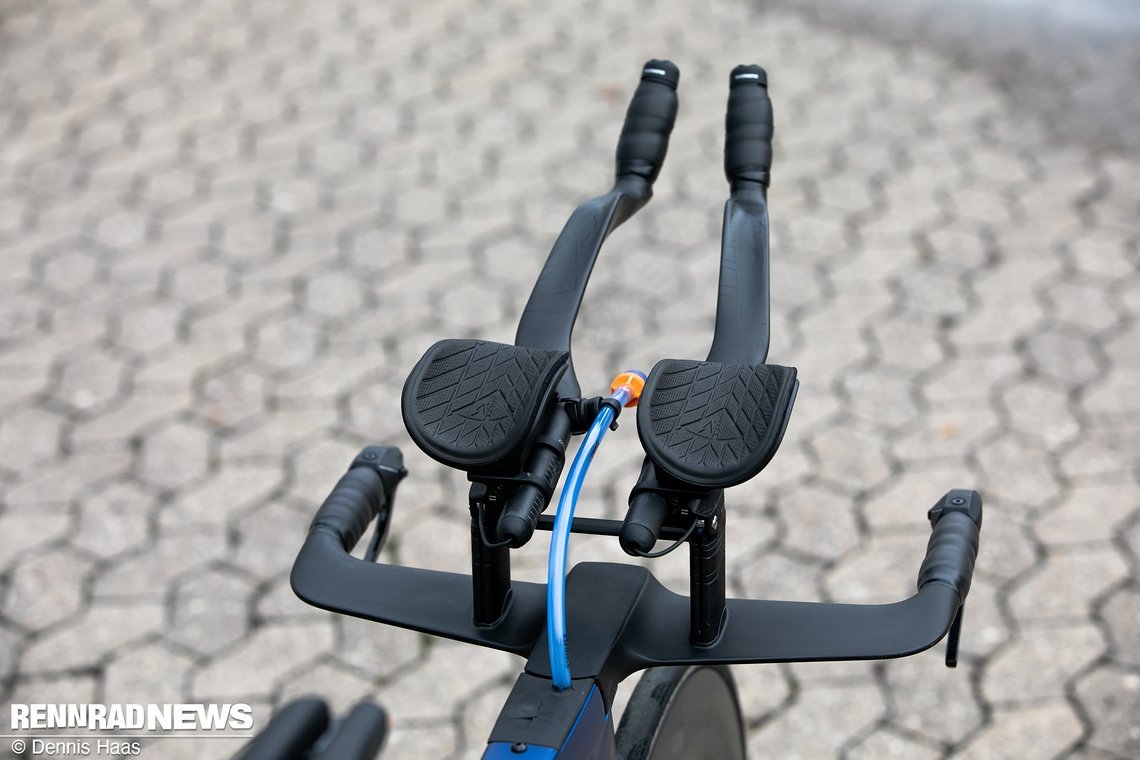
<point>591,738</point>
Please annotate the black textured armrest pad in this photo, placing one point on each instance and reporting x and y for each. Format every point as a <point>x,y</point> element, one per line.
<point>714,425</point>
<point>477,405</point>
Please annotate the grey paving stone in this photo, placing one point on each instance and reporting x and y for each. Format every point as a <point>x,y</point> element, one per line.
<point>92,637</point>
<point>46,589</point>
<point>1122,614</point>
<point>1046,730</point>
<point>90,382</point>
<point>820,722</point>
<point>157,670</point>
<point>1093,512</point>
<point>262,661</point>
<point>1112,695</point>
<point>885,743</point>
<point>113,519</point>
<point>1066,584</point>
<point>177,455</point>
<point>210,610</point>
<point>932,700</point>
<point>1050,655</point>
<point>27,437</point>
<point>146,573</point>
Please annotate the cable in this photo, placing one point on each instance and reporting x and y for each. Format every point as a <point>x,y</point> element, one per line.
<point>380,532</point>
<point>483,531</point>
<point>675,544</point>
<point>560,540</point>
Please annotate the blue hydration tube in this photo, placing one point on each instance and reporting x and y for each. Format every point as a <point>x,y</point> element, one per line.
<point>560,541</point>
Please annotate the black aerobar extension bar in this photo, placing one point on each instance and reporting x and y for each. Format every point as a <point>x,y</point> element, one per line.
<point>548,319</point>
<point>741,335</point>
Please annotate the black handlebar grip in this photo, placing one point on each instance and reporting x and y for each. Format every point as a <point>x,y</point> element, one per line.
<point>748,126</point>
<point>953,546</point>
<point>649,122</point>
<point>360,736</point>
<point>642,524</point>
<point>291,733</point>
<point>531,496</point>
<point>354,502</point>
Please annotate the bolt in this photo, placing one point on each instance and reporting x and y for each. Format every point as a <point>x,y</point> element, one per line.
<point>518,748</point>
<point>957,501</point>
<point>369,455</point>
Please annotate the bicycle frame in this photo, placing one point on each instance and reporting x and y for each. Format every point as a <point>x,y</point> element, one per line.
<point>622,620</point>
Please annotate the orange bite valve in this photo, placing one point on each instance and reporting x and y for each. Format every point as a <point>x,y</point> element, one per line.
<point>633,380</point>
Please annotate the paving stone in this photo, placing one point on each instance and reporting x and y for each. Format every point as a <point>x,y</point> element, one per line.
<point>142,411</point>
<point>776,576</point>
<point>286,342</point>
<point>885,743</point>
<point>114,520</point>
<point>1108,453</point>
<point>233,491</point>
<point>1121,613</point>
<point>333,294</point>
<point>269,536</point>
<point>461,665</point>
<point>947,437</point>
<point>819,522</point>
<point>71,270</point>
<point>54,486</point>
<point>156,672</point>
<point>904,501</point>
<point>147,329</point>
<point>820,722</point>
<point>24,532</point>
<point>1041,731</point>
<point>1017,471</point>
<point>90,382</point>
<point>92,637</point>
<point>231,395</point>
<point>175,456</point>
<point>854,457</point>
<point>27,437</point>
<point>1093,512</point>
<point>1041,410</point>
<point>145,574</point>
<point>968,378</point>
<point>200,282</point>
<point>341,687</point>
<point>871,574</point>
<point>380,651</point>
<point>1067,583</point>
<point>47,589</point>
<point>210,611</point>
<point>1113,697</point>
<point>1063,355</point>
<point>262,661</point>
<point>1043,659</point>
<point>1079,302</point>
<point>428,739</point>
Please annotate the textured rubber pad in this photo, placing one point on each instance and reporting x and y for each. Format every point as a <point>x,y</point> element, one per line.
<point>714,425</point>
<point>477,405</point>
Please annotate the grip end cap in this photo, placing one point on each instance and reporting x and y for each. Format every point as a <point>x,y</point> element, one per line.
<point>662,71</point>
<point>748,74</point>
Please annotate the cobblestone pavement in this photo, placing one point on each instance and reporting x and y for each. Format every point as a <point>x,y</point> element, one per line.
<point>229,228</point>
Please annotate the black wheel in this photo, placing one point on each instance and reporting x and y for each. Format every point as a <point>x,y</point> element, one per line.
<point>683,713</point>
